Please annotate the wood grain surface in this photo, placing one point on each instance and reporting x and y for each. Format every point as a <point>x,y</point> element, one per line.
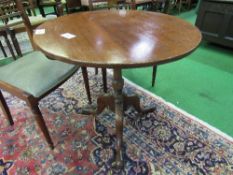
<point>118,38</point>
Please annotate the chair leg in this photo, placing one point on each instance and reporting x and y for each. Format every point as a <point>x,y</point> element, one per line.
<point>5,109</point>
<point>180,5</point>
<point>154,75</point>
<point>55,10</point>
<point>86,82</point>
<point>33,11</point>
<point>3,50</point>
<point>41,123</point>
<point>41,9</point>
<point>67,9</point>
<point>29,12</point>
<point>166,6</point>
<point>104,77</point>
<point>189,4</point>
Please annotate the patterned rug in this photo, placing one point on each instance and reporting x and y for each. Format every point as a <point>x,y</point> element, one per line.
<point>167,141</point>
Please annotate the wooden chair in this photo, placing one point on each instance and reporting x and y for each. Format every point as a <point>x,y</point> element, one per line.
<point>16,25</point>
<point>102,4</point>
<point>181,3</point>
<point>178,4</point>
<point>70,5</point>
<point>29,7</point>
<point>134,4</point>
<point>160,6</point>
<point>94,4</point>
<point>41,4</point>
<point>33,76</point>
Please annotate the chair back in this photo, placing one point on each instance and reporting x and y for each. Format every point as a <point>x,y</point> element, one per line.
<point>29,6</point>
<point>72,3</point>
<point>10,9</point>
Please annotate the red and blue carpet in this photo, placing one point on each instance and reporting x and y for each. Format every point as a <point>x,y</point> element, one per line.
<point>167,141</point>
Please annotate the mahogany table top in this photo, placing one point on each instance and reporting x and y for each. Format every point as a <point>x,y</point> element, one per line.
<point>113,38</point>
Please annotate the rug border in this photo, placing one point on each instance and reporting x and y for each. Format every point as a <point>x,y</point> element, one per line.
<point>203,123</point>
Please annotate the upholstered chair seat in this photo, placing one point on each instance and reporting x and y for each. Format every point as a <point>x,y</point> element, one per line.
<point>35,74</point>
<point>95,4</point>
<point>139,1</point>
<point>135,3</point>
<point>49,2</point>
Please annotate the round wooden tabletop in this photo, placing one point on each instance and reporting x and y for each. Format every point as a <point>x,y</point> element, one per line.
<point>117,38</point>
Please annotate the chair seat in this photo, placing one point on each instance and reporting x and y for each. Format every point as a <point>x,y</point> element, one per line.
<point>139,1</point>
<point>35,74</point>
<point>95,4</point>
<point>51,2</point>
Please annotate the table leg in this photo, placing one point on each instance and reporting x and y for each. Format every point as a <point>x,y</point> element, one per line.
<point>86,83</point>
<point>118,103</point>
<point>154,75</point>
<point>104,76</point>
<point>118,83</point>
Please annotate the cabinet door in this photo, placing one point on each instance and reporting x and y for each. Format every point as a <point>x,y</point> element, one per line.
<point>215,20</point>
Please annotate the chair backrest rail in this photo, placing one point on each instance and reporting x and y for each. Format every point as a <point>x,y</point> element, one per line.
<point>15,8</point>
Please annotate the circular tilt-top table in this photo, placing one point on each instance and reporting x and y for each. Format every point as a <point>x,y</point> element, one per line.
<point>117,39</point>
